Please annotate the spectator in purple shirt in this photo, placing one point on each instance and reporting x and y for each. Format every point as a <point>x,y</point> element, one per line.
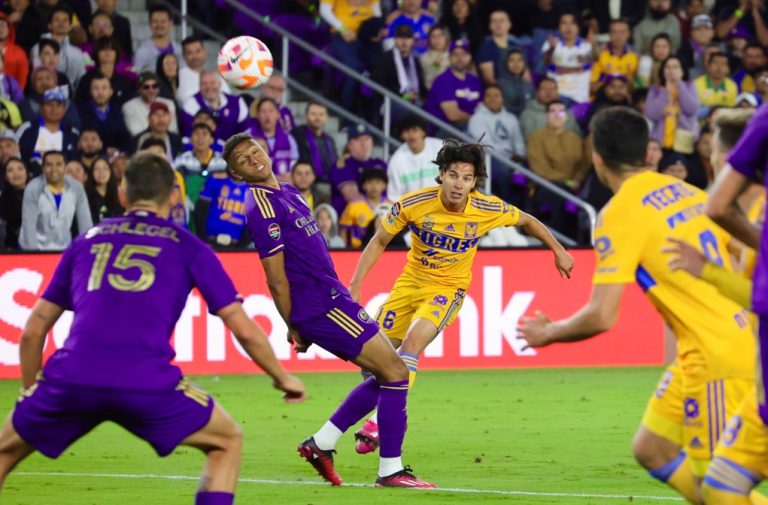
<point>229,111</point>
<point>455,93</point>
<point>275,88</point>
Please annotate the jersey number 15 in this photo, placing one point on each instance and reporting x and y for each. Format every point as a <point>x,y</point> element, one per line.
<point>124,261</point>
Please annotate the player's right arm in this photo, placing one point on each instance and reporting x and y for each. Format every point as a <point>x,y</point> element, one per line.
<point>280,289</point>
<point>256,345</point>
<point>370,256</point>
<point>723,207</point>
<point>395,220</point>
<point>44,316</point>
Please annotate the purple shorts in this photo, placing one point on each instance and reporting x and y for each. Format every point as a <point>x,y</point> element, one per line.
<point>57,414</point>
<point>343,330</point>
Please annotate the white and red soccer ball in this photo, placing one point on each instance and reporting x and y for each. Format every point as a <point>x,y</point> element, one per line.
<point>245,62</point>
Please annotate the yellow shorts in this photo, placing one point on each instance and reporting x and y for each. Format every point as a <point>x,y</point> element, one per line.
<point>745,440</point>
<point>408,301</point>
<point>694,415</point>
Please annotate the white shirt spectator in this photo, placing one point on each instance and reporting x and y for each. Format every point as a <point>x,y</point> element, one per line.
<point>409,171</point>
<point>189,84</point>
<point>573,85</point>
<point>136,114</point>
<point>72,60</point>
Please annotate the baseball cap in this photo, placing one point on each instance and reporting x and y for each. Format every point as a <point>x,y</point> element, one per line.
<point>460,44</point>
<point>702,20</point>
<point>747,97</point>
<point>404,31</point>
<point>739,32</point>
<point>357,131</point>
<point>54,94</point>
<point>156,106</point>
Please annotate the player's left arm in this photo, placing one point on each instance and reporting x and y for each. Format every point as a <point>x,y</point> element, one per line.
<point>44,316</point>
<point>563,260</point>
<point>598,315</point>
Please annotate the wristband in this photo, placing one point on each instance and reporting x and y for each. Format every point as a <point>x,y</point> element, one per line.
<point>341,29</point>
<point>738,13</point>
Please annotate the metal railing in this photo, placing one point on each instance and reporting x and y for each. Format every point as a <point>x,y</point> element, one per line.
<point>388,99</point>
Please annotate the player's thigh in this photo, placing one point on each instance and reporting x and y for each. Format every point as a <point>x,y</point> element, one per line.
<point>395,314</point>
<point>380,358</point>
<point>707,407</point>
<point>163,418</point>
<point>52,416</point>
<point>343,330</point>
<point>221,432</point>
<point>664,412</point>
<point>745,439</point>
<point>436,308</point>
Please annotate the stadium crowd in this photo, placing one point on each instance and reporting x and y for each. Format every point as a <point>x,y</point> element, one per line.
<point>78,96</point>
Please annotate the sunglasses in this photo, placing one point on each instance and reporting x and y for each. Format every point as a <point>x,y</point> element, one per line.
<point>149,86</point>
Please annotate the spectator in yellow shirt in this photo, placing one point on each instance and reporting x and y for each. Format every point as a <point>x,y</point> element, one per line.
<point>715,88</point>
<point>359,213</point>
<point>617,58</point>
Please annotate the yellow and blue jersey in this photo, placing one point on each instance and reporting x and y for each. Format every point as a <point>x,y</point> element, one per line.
<point>178,212</point>
<point>715,339</point>
<point>444,243</point>
<point>357,215</point>
<point>226,215</point>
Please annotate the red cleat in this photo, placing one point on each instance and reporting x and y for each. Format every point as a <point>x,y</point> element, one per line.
<point>367,437</point>
<point>404,478</point>
<point>321,460</point>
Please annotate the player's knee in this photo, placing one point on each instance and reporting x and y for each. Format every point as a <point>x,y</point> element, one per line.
<point>396,371</point>
<point>646,454</point>
<point>234,437</point>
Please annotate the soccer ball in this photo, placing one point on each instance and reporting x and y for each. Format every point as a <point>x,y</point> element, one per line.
<point>245,62</point>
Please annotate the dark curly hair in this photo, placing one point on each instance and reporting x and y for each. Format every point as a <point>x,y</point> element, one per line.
<point>454,151</point>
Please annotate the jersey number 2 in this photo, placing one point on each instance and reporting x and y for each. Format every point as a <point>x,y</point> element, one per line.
<point>710,247</point>
<point>123,261</point>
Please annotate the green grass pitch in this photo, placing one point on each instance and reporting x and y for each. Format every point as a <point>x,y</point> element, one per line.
<point>513,436</point>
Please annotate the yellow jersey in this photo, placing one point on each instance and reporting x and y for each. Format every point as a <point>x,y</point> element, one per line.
<point>352,13</point>
<point>356,217</point>
<point>609,64</point>
<point>714,336</point>
<point>444,243</point>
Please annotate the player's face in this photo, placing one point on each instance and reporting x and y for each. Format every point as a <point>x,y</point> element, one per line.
<point>317,116</point>
<point>303,176</point>
<point>457,181</point>
<point>251,162</point>
<point>53,169</point>
<point>16,175</point>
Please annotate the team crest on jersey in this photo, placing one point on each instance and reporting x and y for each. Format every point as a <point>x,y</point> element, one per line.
<point>395,210</point>
<point>441,300</point>
<point>428,223</point>
<point>470,230</point>
<point>274,231</point>
<point>363,316</point>
<point>691,407</point>
<point>603,247</point>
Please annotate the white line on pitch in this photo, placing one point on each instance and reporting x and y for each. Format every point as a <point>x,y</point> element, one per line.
<point>348,484</point>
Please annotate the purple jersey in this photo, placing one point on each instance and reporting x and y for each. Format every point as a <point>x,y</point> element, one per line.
<point>127,281</point>
<point>750,158</point>
<point>447,87</point>
<point>348,170</point>
<point>279,220</point>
